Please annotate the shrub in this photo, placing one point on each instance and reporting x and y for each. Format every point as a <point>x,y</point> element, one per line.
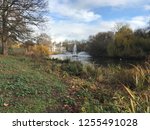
<point>93,72</point>
<point>40,51</point>
<point>89,70</point>
<point>73,68</point>
<point>17,51</point>
<point>123,77</point>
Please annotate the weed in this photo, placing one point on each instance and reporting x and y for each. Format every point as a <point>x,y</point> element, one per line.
<point>73,68</point>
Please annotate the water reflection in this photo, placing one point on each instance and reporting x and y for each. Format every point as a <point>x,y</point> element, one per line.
<point>84,57</point>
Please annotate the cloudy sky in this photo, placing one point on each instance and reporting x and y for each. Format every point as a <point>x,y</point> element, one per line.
<point>77,19</point>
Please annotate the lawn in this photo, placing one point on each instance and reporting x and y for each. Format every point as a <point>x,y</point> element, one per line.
<point>24,87</point>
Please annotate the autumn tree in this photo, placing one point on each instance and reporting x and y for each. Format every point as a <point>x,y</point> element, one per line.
<point>142,40</point>
<point>97,44</point>
<point>127,44</point>
<point>122,41</point>
<point>17,18</point>
<point>45,40</point>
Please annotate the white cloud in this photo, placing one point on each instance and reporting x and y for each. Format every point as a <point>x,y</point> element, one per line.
<point>147,7</point>
<point>75,18</point>
<point>138,21</point>
<point>113,3</point>
<point>67,10</point>
<point>63,30</point>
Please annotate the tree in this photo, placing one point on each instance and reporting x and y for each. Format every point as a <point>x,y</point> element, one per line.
<point>124,36</point>
<point>97,45</point>
<point>142,39</point>
<point>140,32</point>
<point>27,45</point>
<point>128,44</point>
<point>17,17</point>
<point>122,41</point>
<point>45,40</point>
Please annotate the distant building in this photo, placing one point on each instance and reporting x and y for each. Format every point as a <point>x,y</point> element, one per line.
<point>58,48</point>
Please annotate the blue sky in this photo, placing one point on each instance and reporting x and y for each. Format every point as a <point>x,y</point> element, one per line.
<point>77,19</point>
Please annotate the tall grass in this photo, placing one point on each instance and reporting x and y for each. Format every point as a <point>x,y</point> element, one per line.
<point>112,89</point>
<point>142,76</point>
<point>138,102</point>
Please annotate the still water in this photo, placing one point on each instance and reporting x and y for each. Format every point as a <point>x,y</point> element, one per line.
<point>85,58</point>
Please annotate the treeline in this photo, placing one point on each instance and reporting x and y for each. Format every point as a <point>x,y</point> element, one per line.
<point>123,43</point>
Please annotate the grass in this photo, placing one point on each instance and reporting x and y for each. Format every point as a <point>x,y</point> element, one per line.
<point>25,88</point>
<point>106,89</point>
<point>40,85</point>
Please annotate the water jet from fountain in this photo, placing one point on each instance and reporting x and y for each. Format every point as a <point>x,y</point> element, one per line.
<point>75,51</point>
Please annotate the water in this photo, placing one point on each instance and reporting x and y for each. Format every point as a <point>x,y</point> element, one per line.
<point>83,57</point>
<point>75,50</point>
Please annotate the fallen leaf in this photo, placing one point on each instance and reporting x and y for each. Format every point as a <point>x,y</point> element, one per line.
<point>6,104</point>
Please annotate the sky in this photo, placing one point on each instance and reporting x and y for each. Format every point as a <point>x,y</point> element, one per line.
<point>77,19</point>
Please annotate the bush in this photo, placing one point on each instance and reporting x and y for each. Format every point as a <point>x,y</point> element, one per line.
<point>119,75</point>
<point>40,51</point>
<point>73,68</point>
<point>89,70</point>
<point>17,51</point>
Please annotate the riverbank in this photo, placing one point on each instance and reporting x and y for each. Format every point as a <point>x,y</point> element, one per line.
<point>39,85</point>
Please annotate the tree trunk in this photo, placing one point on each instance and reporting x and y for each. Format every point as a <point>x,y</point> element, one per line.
<point>4,37</point>
<point>4,47</point>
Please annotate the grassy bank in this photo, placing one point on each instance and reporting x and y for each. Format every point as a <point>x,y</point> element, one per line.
<point>24,87</point>
<point>36,85</point>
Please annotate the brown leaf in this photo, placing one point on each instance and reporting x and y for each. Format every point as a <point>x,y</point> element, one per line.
<point>6,104</point>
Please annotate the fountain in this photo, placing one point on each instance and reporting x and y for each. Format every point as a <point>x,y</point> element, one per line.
<point>83,57</point>
<point>75,51</point>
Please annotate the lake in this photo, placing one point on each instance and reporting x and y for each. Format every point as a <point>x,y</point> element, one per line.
<point>85,58</point>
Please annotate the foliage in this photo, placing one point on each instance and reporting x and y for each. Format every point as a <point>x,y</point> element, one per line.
<point>142,76</point>
<point>19,28</point>
<point>136,78</point>
<point>136,101</point>
<point>119,75</point>
<point>97,45</point>
<point>100,89</point>
<point>125,43</point>
<point>40,51</point>
<point>73,68</point>
<point>44,39</point>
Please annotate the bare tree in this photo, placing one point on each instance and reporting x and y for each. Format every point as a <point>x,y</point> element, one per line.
<point>17,17</point>
<point>44,39</point>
